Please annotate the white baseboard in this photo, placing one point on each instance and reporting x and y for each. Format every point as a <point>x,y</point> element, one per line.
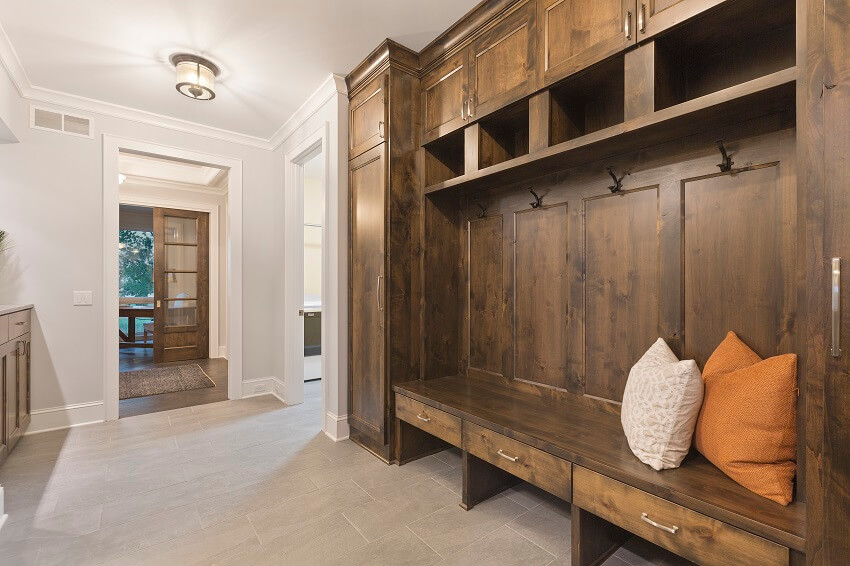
<point>56,418</point>
<point>336,426</point>
<point>263,386</point>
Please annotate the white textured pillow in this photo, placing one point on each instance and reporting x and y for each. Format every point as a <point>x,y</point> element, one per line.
<point>661,404</point>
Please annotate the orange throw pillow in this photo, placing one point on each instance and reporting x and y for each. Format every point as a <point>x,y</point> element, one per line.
<point>747,426</point>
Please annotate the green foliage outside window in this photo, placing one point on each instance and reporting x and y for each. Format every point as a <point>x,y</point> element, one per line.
<point>135,263</point>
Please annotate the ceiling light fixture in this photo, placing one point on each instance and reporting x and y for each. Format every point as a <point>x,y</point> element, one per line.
<point>195,76</point>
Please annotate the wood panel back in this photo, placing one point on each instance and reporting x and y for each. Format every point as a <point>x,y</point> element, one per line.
<point>540,296</point>
<point>486,295</point>
<point>622,287</point>
<point>739,252</point>
<point>577,33</point>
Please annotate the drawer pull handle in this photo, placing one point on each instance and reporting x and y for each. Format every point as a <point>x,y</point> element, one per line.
<point>424,419</point>
<point>506,457</point>
<point>21,323</point>
<point>672,530</point>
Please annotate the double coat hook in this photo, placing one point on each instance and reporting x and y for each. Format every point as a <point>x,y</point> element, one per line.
<point>727,163</point>
<point>538,200</point>
<point>618,182</point>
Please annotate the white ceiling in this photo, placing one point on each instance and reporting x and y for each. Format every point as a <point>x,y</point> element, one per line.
<point>142,168</point>
<point>274,53</point>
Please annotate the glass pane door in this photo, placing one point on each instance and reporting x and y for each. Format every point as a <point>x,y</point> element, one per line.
<point>181,271</point>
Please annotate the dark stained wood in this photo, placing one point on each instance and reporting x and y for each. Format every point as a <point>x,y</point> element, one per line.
<point>183,341</point>
<point>411,443</point>
<point>444,158</point>
<point>540,295</point>
<point>502,63</point>
<point>739,237</point>
<point>482,480</point>
<point>639,81</point>
<point>658,15</point>
<point>433,421</point>
<point>503,135</point>
<point>836,383</point>
<point>539,109</point>
<point>595,440</point>
<point>531,464</point>
<point>367,373</point>
<point>387,54</point>
<point>593,539</point>
<point>697,537</point>
<point>765,96</point>
<point>367,120</point>
<point>445,95</point>
<point>486,296</point>
<point>622,287</point>
<point>575,34</point>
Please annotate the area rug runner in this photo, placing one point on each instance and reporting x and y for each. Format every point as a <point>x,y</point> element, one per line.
<point>155,381</point>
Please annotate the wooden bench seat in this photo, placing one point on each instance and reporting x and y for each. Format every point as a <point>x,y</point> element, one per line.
<point>594,440</point>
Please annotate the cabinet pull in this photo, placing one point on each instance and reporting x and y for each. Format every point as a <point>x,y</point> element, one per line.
<point>423,419</point>
<point>836,307</point>
<point>645,518</point>
<point>378,294</point>
<point>506,457</point>
<point>642,18</point>
<point>628,25</point>
<point>469,108</point>
<point>21,349</point>
<point>463,111</point>
<point>381,128</point>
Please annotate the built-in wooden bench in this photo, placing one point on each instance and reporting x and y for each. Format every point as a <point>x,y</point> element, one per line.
<point>580,454</point>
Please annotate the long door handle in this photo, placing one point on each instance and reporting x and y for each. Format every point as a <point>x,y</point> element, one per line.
<point>469,113</point>
<point>381,129</point>
<point>463,111</point>
<point>627,27</point>
<point>836,307</point>
<point>378,294</point>
<point>642,18</point>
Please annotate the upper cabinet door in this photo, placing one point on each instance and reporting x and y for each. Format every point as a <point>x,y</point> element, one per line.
<point>577,33</point>
<point>502,63</point>
<point>654,16</point>
<point>444,98</point>
<point>368,117</point>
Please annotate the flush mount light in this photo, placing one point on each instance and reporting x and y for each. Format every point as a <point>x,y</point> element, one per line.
<point>195,76</point>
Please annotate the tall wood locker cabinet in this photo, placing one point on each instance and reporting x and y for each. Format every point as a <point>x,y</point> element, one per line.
<point>384,223</point>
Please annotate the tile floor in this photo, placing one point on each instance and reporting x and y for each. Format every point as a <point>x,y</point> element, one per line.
<point>253,482</point>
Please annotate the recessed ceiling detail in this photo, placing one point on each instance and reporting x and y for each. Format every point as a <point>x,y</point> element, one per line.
<point>273,53</point>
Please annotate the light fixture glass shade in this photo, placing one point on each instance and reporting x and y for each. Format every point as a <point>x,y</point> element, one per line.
<point>195,76</point>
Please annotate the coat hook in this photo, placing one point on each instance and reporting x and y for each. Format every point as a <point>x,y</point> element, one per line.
<point>618,183</point>
<point>727,163</point>
<point>538,200</point>
<point>483,208</point>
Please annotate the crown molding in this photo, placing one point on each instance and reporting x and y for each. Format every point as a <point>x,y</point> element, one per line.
<point>142,182</point>
<point>333,85</point>
<point>11,62</point>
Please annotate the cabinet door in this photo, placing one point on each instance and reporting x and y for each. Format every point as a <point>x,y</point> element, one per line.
<point>444,98</point>
<point>654,16</point>
<point>368,117</point>
<point>11,396</point>
<point>7,373</point>
<point>577,33</point>
<point>23,381</point>
<point>502,63</point>
<point>367,386</point>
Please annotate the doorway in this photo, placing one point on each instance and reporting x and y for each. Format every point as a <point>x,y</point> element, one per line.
<point>172,218</point>
<point>313,212</point>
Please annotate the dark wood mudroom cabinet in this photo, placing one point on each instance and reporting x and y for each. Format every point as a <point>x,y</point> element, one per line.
<point>385,203</point>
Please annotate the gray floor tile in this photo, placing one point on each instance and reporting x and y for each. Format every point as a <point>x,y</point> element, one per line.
<point>399,548</point>
<point>548,525</point>
<point>503,547</point>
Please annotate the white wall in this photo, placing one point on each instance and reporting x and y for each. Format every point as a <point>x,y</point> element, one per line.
<point>333,114</point>
<point>51,191</point>
<point>8,99</point>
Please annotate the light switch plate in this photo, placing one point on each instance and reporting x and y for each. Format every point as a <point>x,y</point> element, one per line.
<point>82,298</point>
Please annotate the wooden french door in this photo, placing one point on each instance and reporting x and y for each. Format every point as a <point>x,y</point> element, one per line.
<point>181,285</point>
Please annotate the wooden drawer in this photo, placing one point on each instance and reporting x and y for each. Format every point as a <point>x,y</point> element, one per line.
<point>431,420</point>
<point>535,466</point>
<point>19,323</point>
<point>368,117</point>
<point>697,537</point>
<point>4,329</point>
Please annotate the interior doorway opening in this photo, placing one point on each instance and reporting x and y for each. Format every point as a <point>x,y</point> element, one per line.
<point>313,212</point>
<point>172,282</point>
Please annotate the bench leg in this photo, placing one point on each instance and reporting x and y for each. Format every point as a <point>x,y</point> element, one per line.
<point>593,539</point>
<point>412,443</point>
<point>482,480</point>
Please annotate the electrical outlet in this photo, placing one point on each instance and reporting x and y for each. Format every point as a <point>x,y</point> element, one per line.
<point>82,298</point>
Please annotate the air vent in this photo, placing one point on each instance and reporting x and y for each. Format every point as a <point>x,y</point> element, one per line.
<point>43,119</point>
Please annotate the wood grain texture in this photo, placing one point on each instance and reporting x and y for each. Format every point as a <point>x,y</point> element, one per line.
<point>622,287</point>
<point>433,421</point>
<point>540,295</point>
<point>486,295</point>
<point>367,113</point>
<point>593,539</point>
<point>482,480</point>
<point>639,67</point>
<point>739,237</point>
<point>444,92</point>
<point>531,464</point>
<point>697,537</point>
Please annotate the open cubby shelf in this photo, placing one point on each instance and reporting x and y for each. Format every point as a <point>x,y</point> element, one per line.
<point>587,102</point>
<point>742,41</point>
<point>444,158</point>
<point>503,135</point>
